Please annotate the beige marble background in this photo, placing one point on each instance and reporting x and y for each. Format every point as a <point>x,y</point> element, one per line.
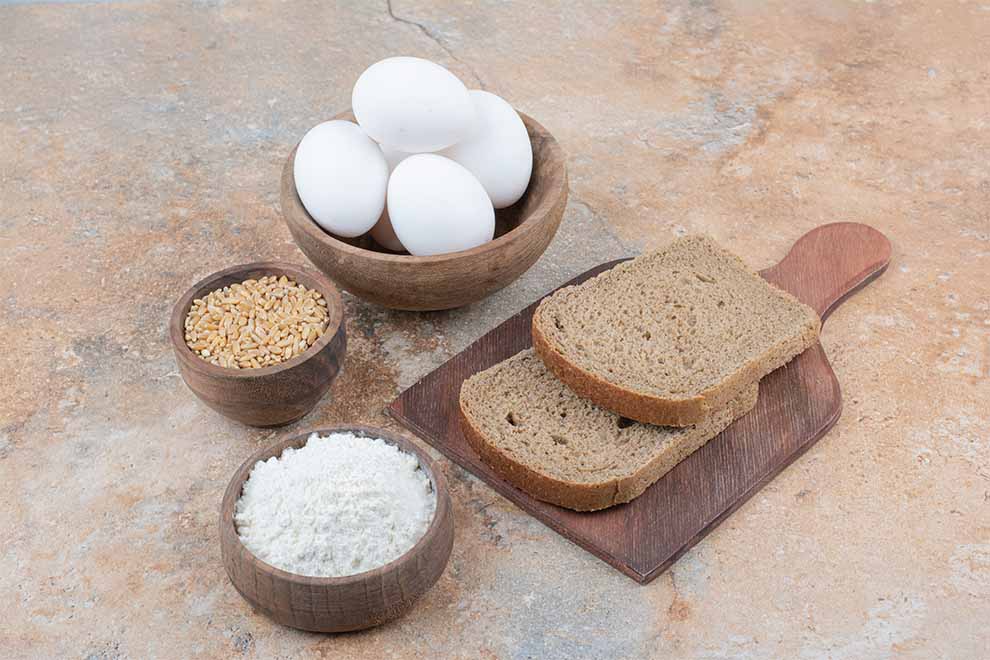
<point>140,149</point>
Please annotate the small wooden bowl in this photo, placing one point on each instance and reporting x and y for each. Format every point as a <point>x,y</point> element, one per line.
<point>270,396</point>
<point>401,281</point>
<point>338,604</point>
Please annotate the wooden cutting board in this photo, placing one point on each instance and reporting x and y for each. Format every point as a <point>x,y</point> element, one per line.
<point>798,404</point>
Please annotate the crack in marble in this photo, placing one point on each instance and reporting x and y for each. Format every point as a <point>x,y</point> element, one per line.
<point>435,38</point>
<point>600,219</point>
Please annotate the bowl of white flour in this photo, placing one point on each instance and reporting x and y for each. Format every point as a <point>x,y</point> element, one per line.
<point>336,529</point>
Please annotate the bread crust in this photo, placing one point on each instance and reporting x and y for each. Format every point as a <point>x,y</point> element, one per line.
<point>588,497</point>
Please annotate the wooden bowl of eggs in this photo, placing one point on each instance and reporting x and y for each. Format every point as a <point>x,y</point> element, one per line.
<point>226,357</point>
<point>351,601</point>
<point>420,227</point>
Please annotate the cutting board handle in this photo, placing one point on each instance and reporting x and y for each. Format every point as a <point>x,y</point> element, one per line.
<point>830,263</point>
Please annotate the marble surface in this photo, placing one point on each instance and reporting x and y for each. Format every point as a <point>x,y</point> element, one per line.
<point>140,149</point>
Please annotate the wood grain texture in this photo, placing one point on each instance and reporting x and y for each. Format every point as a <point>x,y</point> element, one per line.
<point>798,403</point>
<point>338,604</point>
<point>401,281</point>
<point>270,396</point>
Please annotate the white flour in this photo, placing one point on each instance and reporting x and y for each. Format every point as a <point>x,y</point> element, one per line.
<point>341,505</point>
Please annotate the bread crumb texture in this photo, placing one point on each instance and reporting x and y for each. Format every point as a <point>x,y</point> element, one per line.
<point>561,448</point>
<point>677,322</point>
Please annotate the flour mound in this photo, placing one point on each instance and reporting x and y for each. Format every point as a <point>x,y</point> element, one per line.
<point>342,504</point>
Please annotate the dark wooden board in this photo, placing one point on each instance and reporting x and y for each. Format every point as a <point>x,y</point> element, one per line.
<point>798,404</point>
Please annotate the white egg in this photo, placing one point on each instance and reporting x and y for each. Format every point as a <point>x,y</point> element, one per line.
<point>412,104</point>
<point>497,151</point>
<point>382,232</point>
<point>437,206</point>
<point>341,177</point>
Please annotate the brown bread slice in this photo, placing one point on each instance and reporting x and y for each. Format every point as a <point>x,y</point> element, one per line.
<point>544,439</point>
<point>671,335</point>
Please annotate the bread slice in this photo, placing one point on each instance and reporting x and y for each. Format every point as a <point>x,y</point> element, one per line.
<point>544,439</point>
<point>672,335</point>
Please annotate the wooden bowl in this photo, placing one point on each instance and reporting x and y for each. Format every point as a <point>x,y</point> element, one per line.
<point>338,604</point>
<point>401,281</point>
<point>270,396</point>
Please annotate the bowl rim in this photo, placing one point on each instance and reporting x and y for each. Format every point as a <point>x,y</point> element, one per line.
<point>441,513</point>
<point>519,232</point>
<point>308,277</point>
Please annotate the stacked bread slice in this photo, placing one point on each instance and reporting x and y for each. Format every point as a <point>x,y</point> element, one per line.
<point>632,371</point>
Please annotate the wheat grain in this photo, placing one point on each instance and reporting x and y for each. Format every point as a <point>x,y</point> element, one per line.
<point>256,323</point>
